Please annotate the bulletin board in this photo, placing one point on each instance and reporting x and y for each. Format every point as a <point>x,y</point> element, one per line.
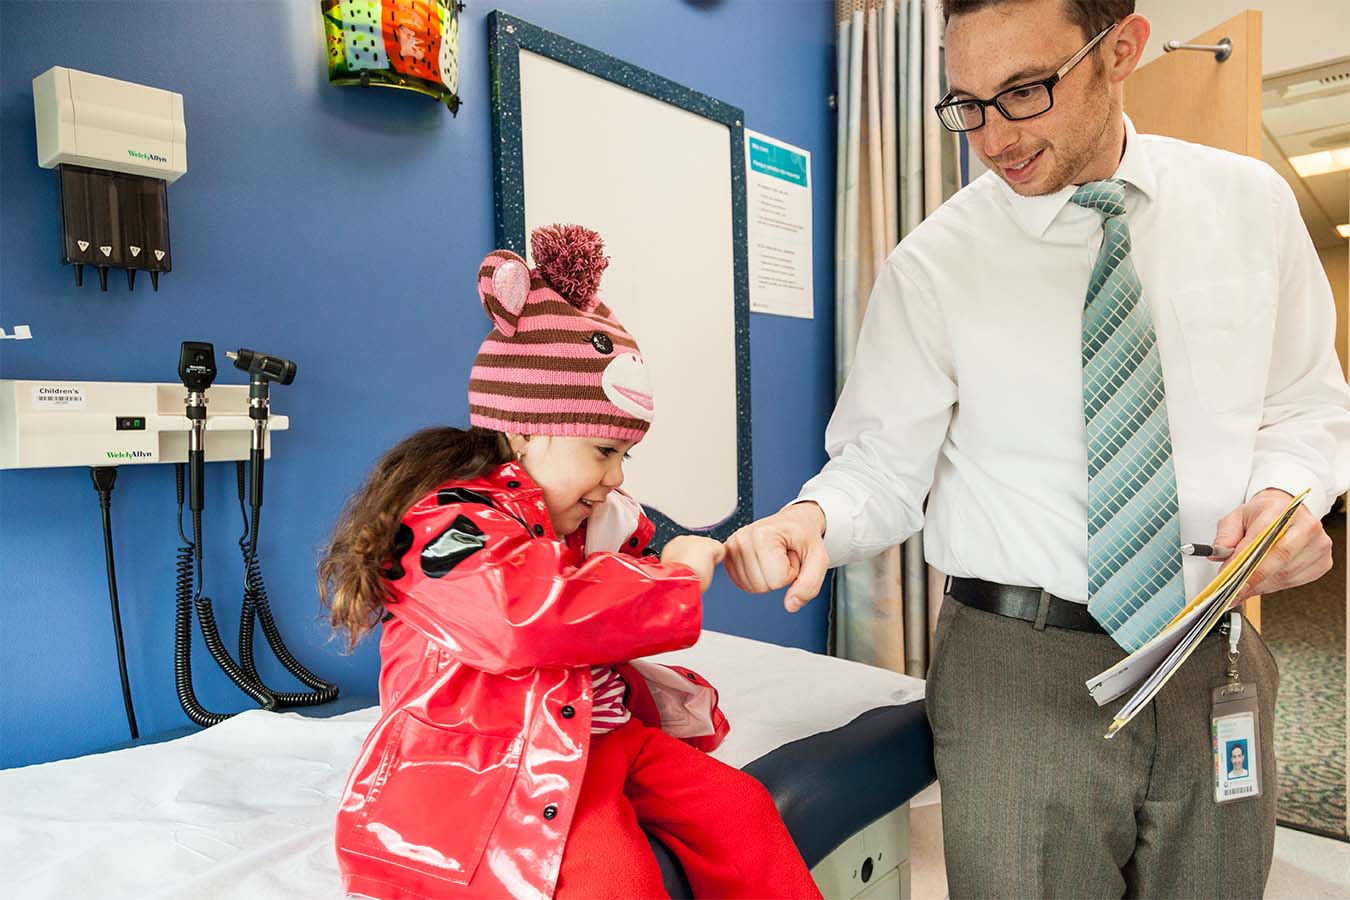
<point>658,170</point>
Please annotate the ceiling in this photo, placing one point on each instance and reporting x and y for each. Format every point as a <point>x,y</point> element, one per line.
<point>1304,112</point>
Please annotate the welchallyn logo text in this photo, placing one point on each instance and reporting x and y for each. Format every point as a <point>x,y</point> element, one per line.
<point>152,157</point>
<point>129,454</point>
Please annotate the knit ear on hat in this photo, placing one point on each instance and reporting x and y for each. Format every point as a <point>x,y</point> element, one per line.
<point>503,286</point>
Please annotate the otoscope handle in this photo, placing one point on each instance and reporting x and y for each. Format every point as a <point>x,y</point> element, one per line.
<point>255,486</point>
<point>196,480</point>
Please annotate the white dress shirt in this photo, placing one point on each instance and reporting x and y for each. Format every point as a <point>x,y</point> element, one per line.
<point>967,383</point>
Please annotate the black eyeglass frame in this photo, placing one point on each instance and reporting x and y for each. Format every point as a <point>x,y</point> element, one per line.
<point>1047,83</point>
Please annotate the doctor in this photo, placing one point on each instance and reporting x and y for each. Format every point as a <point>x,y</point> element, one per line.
<point>1111,344</point>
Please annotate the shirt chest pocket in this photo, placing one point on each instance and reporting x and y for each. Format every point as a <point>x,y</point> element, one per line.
<point>1227,329</point>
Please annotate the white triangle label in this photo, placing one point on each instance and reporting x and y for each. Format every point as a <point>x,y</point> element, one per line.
<point>107,249</point>
<point>135,251</point>
<point>84,245</point>
<point>159,254</point>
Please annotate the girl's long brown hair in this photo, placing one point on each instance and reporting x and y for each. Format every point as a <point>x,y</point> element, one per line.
<point>351,581</point>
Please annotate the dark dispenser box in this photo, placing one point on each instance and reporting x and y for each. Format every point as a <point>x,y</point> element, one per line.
<point>145,226</point>
<point>114,221</point>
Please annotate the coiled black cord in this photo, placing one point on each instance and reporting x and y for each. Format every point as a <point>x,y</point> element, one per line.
<point>206,618</point>
<point>182,624</point>
<point>256,606</point>
<point>182,645</point>
<point>188,584</point>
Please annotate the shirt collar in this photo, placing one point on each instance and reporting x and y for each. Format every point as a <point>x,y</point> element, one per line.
<point>1035,214</point>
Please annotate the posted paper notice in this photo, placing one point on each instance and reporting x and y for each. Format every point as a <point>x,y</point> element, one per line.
<point>778,213</point>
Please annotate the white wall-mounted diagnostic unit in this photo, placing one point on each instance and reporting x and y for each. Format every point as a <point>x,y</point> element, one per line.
<point>116,146</point>
<point>110,423</point>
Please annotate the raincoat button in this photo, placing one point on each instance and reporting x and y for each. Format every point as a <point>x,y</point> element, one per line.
<point>692,677</point>
<point>550,812</point>
<point>539,530</point>
<point>568,712</point>
<point>513,484</point>
<point>632,542</point>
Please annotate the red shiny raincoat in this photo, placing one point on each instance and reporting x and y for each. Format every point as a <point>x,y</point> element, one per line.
<point>467,785</point>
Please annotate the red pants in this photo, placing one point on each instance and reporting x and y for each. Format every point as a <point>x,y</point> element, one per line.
<point>720,823</point>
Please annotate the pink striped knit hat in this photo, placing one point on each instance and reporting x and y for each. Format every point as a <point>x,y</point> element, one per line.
<point>557,361</point>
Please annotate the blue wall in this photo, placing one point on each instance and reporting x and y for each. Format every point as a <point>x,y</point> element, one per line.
<point>342,228</point>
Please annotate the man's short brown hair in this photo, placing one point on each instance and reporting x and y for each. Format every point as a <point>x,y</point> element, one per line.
<point>1090,15</point>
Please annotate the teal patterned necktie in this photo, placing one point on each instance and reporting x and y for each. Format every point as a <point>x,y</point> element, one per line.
<point>1134,532</point>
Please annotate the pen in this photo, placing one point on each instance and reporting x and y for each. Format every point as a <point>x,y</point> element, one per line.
<point>1206,550</point>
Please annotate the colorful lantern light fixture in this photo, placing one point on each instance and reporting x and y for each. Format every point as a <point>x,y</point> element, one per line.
<point>408,44</point>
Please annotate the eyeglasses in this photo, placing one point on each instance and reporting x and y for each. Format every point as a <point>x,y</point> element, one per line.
<point>1023,101</point>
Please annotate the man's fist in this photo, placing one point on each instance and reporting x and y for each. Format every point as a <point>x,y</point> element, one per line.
<point>785,548</point>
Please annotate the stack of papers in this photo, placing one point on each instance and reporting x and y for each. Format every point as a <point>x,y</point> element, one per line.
<point>1150,667</point>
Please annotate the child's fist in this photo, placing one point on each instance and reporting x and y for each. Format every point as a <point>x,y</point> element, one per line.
<point>698,553</point>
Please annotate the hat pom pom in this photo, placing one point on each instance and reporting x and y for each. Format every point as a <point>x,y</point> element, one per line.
<point>570,259</point>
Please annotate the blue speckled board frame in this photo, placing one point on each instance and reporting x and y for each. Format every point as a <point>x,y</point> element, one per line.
<point>507,36</point>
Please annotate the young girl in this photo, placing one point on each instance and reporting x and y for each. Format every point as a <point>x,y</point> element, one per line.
<point>518,754</point>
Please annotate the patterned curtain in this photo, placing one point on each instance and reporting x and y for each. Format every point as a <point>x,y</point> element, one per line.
<point>895,165</point>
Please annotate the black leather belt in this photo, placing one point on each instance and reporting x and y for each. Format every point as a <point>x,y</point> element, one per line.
<point>1027,603</point>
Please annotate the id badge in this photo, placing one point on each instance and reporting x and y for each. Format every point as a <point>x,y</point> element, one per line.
<point>1234,728</point>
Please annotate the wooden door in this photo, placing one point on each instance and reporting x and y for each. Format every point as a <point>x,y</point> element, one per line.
<point>1189,94</point>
